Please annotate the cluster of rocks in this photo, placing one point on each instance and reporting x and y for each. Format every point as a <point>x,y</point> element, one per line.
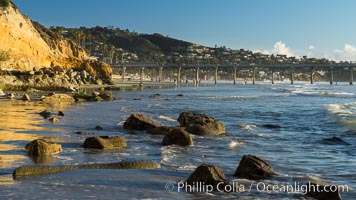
<point>189,123</point>
<point>57,77</point>
<point>42,151</point>
<point>252,168</point>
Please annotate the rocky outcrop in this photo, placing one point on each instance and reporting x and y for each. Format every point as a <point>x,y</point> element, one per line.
<point>254,168</point>
<point>96,96</point>
<point>141,122</point>
<point>36,170</point>
<point>30,45</point>
<point>177,136</point>
<point>41,147</point>
<point>97,69</point>
<point>105,142</point>
<point>200,124</point>
<point>58,98</point>
<point>322,192</point>
<point>209,175</point>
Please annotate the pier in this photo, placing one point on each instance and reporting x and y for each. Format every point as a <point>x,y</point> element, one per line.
<point>248,71</point>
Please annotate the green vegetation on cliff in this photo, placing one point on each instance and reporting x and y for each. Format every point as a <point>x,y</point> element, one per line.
<point>5,3</point>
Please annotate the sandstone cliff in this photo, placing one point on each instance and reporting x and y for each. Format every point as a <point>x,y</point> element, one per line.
<point>30,45</point>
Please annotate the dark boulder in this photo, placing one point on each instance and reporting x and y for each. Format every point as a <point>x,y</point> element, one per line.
<point>60,113</point>
<point>84,133</point>
<point>177,136</point>
<point>140,122</point>
<point>209,175</point>
<point>99,127</point>
<point>105,142</point>
<point>45,114</point>
<point>271,126</point>
<point>200,124</point>
<point>155,96</point>
<point>254,168</point>
<point>162,130</point>
<point>334,141</point>
<point>323,192</point>
<point>42,147</point>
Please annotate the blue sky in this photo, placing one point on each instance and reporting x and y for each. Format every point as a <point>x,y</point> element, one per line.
<point>317,28</point>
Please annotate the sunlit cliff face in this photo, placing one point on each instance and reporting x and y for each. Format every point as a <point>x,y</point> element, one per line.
<point>19,124</point>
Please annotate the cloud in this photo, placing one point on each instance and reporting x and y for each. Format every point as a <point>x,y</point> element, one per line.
<point>348,53</point>
<point>279,48</point>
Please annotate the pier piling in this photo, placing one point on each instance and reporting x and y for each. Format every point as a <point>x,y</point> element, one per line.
<point>123,74</point>
<point>292,75</point>
<point>312,76</point>
<point>351,75</point>
<point>160,74</point>
<point>141,75</point>
<point>331,75</point>
<point>253,75</point>
<point>235,72</point>
<point>197,77</point>
<point>178,75</point>
<point>216,75</point>
<point>272,78</point>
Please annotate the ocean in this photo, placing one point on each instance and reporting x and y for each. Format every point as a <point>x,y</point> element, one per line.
<point>307,114</point>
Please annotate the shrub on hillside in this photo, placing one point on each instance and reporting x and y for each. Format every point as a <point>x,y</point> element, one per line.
<point>5,3</point>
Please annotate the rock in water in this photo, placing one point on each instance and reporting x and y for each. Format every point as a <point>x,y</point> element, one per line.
<point>319,192</point>
<point>141,122</point>
<point>162,130</point>
<point>155,96</point>
<point>84,133</point>
<point>177,136</point>
<point>53,119</point>
<point>36,170</point>
<point>45,114</point>
<point>58,98</point>
<point>26,97</point>
<point>60,113</point>
<point>208,175</point>
<point>99,127</point>
<point>200,124</point>
<point>253,167</point>
<point>334,140</point>
<point>41,147</point>
<point>105,142</point>
<point>271,126</point>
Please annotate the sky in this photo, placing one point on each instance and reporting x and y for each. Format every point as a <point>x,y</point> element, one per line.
<point>316,28</point>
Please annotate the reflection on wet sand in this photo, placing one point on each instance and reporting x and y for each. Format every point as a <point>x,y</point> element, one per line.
<point>18,122</point>
<point>6,179</point>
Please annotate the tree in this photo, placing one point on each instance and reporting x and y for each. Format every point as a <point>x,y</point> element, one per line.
<point>5,3</point>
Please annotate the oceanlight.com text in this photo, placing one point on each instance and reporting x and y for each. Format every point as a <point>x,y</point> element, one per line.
<point>295,187</point>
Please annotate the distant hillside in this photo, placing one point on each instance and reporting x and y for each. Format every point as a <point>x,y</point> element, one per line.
<point>114,45</point>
